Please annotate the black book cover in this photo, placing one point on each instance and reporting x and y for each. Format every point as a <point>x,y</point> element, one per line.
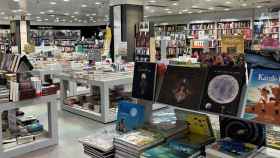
<point>183,87</point>
<point>24,65</point>
<point>223,90</point>
<point>244,131</point>
<point>144,80</point>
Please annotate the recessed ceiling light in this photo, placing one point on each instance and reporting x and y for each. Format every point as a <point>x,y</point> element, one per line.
<point>244,4</point>
<point>166,9</point>
<point>50,11</point>
<point>6,18</point>
<point>71,21</point>
<point>97,3</point>
<point>194,6</point>
<point>63,20</point>
<point>2,13</point>
<point>80,20</point>
<point>39,20</point>
<point>185,10</point>
<point>228,2</point>
<point>66,14</point>
<point>42,12</point>
<point>28,14</point>
<point>147,7</point>
<point>38,17</point>
<point>175,4</point>
<point>53,3</point>
<point>75,19</point>
<point>152,1</point>
<point>200,11</point>
<point>52,15</point>
<point>46,19</point>
<point>169,12</point>
<point>226,9</point>
<point>76,12</point>
<point>180,13</point>
<point>87,14</point>
<point>211,8</point>
<point>66,0</point>
<point>72,16</point>
<point>207,0</point>
<point>259,6</point>
<point>190,12</point>
<point>83,5</point>
<point>16,0</point>
<point>152,11</point>
<point>93,14</point>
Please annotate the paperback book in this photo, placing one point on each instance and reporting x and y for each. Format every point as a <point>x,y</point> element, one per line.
<point>130,116</point>
<point>144,80</point>
<point>223,90</point>
<point>183,87</point>
<point>263,96</point>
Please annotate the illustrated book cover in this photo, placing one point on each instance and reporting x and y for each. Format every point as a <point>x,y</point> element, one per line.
<point>223,90</point>
<point>130,116</point>
<point>183,87</point>
<point>144,80</point>
<point>263,96</point>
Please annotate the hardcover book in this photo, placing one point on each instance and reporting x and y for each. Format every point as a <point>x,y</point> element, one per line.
<point>183,87</point>
<point>130,116</point>
<point>244,131</point>
<point>144,80</point>
<point>223,90</point>
<point>263,96</point>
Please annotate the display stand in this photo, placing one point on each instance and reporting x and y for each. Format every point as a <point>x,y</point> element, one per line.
<point>52,136</point>
<point>105,82</point>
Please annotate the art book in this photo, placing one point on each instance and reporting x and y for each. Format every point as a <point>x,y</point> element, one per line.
<point>183,87</point>
<point>263,96</point>
<point>144,80</point>
<point>223,90</point>
<point>171,150</point>
<point>130,116</point>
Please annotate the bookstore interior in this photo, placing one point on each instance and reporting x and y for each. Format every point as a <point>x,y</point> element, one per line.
<point>139,79</point>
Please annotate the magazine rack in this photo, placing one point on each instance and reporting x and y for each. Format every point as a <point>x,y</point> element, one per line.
<point>52,136</point>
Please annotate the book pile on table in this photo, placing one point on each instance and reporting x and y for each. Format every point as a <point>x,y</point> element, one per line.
<point>4,94</point>
<point>132,144</point>
<point>49,89</point>
<point>100,143</point>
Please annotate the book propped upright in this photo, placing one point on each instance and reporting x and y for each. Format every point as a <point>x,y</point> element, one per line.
<point>183,87</point>
<point>144,81</point>
<point>130,116</point>
<point>263,96</point>
<point>223,90</point>
<point>24,65</point>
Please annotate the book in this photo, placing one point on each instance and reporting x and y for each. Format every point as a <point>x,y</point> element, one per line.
<point>223,90</point>
<point>183,87</point>
<point>130,116</point>
<point>263,96</point>
<point>144,81</point>
<point>171,150</point>
<point>266,152</point>
<point>243,131</point>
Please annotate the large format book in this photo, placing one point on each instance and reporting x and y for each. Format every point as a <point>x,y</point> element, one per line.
<point>171,149</point>
<point>183,87</point>
<point>144,80</point>
<point>263,96</point>
<point>24,65</point>
<point>130,116</point>
<point>223,90</point>
<point>243,131</point>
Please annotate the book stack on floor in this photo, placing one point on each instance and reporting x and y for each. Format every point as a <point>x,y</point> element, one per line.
<point>132,144</point>
<point>100,143</point>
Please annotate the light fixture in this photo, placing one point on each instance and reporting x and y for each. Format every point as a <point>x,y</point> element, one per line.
<point>208,0</point>
<point>190,12</point>
<point>87,14</point>
<point>152,11</point>
<point>72,16</point>
<point>185,10</point>
<point>97,3</point>
<point>228,2</point>
<point>53,3</point>
<point>42,12</point>
<point>76,13</point>
<point>66,0</point>
<point>194,6</point>
<point>200,11</point>
<point>70,21</point>
<point>152,1</point>
<point>46,19</point>
<point>52,15</point>
<point>28,14</point>
<point>83,5</point>
<point>6,18</point>
<point>16,0</point>
<point>226,9</point>
<point>75,19</point>
<point>38,17</point>
<point>39,20</point>
<point>66,14</point>
<point>175,4</point>
<point>211,8</point>
<point>180,13</point>
<point>50,11</point>
<point>169,12</point>
<point>259,6</point>
<point>167,9</point>
<point>147,7</point>
<point>2,13</point>
<point>244,4</point>
<point>93,14</point>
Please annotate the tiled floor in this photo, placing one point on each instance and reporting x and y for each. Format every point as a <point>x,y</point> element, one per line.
<point>71,128</point>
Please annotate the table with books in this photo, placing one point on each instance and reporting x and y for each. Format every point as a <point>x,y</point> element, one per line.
<point>99,83</point>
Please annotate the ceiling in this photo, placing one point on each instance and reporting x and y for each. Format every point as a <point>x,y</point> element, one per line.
<point>95,12</point>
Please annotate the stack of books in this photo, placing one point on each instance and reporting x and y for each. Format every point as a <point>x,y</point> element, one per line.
<point>100,143</point>
<point>14,63</point>
<point>49,89</point>
<point>4,94</point>
<point>132,144</point>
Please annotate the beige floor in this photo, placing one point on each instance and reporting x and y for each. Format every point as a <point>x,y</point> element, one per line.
<point>71,128</point>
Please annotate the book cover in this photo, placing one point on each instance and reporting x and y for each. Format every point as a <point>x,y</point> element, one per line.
<point>223,90</point>
<point>243,131</point>
<point>266,152</point>
<point>263,96</point>
<point>183,87</point>
<point>130,116</point>
<point>144,80</point>
<point>171,150</point>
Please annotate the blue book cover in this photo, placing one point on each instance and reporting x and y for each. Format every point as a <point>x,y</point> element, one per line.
<point>263,96</point>
<point>130,116</point>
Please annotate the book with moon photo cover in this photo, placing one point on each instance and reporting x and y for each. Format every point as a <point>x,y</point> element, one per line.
<point>263,96</point>
<point>242,130</point>
<point>223,90</point>
<point>144,80</point>
<point>183,87</point>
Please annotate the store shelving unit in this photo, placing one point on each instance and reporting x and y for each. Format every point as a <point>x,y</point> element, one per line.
<point>52,136</point>
<point>104,82</point>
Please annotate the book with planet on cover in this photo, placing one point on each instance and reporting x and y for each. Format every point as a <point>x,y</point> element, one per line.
<point>223,90</point>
